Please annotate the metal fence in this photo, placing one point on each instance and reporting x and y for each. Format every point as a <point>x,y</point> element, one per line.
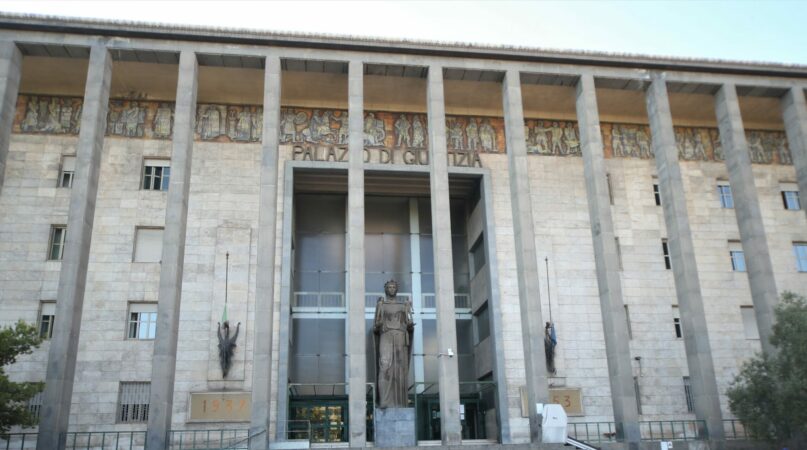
<point>592,432</point>
<point>734,430</point>
<point>673,430</point>
<point>219,439</point>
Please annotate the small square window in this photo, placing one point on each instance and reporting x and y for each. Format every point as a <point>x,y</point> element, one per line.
<point>66,172</point>
<point>791,200</point>
<point>737,256</point>
<point>148,246</point>
<point>47,314</point>
<point>657,194</point>
<point>156,174</point>
<point>724,192</point>
<point>800,250</point>
<point>133,402</point>
<point>665,249</point>
<point>142,321</point>
<point>58,234</point>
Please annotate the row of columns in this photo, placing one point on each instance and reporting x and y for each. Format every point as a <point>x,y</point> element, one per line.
<point>64,346</point>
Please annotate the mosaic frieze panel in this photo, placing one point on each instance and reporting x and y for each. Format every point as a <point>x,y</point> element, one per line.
<point>548,137</point>
<point>229,123</point>
<point>149,119</point>
<point>48,115</point>
<point>140,119</point>
<point>475,134</point>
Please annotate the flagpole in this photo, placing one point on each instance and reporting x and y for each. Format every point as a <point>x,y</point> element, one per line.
<point>548,297</point>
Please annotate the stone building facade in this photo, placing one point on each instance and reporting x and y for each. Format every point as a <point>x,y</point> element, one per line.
<point>159,181</point>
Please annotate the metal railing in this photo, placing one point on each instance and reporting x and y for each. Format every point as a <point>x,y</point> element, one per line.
<point>592,431</point>
<point>461,301</point>
<point>218,439</point>
<point>735,430</point>
<point>297,430</point>
<point>673,430</point>
<point>318,301</point>
<point>229,439</point>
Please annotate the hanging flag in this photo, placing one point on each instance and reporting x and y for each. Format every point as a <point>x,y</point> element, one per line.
<point>552,335</point>
<point>224,314</point>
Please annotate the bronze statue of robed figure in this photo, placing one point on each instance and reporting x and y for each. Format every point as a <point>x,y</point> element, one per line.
<point>393,328</point>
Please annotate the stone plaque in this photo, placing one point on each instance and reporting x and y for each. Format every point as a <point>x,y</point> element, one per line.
<point>570,398</point>
<point>220,406</point>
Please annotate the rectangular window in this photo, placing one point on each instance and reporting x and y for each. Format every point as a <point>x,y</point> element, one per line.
<point>156,174</point>
<point>665,250</point>
<point>749,322</point>
<point>657,194</point>
<point>35,404</point>
<point>724,192</point>
<point>133,402</point>
<point>618,253</point>
<point>148,244</point>
<point>58,233</point>
<point>66,173</point>
<point>679,333</point>
<point>142,321</point>
<point>791,200</point>
<point>482,320</point>
<point>737,256</point>
<point>47,314</point>
<point>610,188</point>
<point>800,250</point>
<point>688,395</point>
<point>627,322</point>
<point>638,394</point>
<point>478,254</point>
<point>790,196</point>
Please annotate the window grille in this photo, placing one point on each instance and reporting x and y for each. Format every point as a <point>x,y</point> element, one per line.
<point>657,194</point>
<point>35,404</point>
<point>665,249</point>
<point>688,395</point>
<point>133,402</point>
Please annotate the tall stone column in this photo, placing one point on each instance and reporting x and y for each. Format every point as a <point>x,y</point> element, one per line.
<point>746,207</point>
<point>615,327</point>
<point>10,70</point>
<point>265,278</point>
<point>164,360</point>
<point>526,259</point>
<point>448,373</point>
<point>73,275</point>
<point>357,357</point>
<point>794,111</point>
<point>705,394</point>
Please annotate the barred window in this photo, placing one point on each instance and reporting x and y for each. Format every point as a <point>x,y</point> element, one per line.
<point>142,320</point>
<point>47,315</point>
<point>688,395</point>
<point>156,174</point>
<point>58,233</point>
<point>679,332</point>
<point>66,173</point>
<point>133,401</point>
<point>665,250</point>
<point>657,194</point>
<point>35,404</point>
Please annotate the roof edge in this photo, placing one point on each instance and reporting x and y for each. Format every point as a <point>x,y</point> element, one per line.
<point>195,33</point>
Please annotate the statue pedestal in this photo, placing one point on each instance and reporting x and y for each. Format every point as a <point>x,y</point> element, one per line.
<point>394,427</point>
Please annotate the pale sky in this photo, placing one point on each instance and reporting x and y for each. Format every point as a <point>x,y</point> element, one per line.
<point>769,31</point>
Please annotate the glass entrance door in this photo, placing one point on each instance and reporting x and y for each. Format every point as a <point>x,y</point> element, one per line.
<point>328,418</point>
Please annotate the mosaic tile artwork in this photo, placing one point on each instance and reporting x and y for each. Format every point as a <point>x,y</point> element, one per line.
<point>148,119</point>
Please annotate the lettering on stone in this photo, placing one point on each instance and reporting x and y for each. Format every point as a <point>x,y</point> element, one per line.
<point>557,138</point>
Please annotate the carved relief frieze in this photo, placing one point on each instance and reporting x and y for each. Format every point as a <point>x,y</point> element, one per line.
<point>48,114</point>
<point>229,123</point>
